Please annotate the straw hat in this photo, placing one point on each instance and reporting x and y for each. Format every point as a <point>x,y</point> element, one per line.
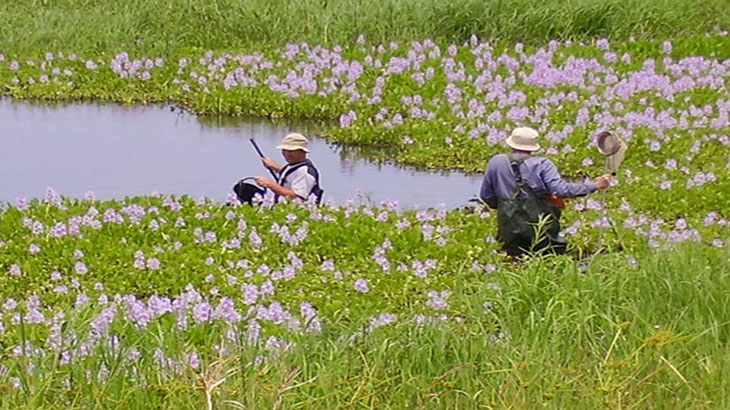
<point>523,139</point>
<point>293,142</point>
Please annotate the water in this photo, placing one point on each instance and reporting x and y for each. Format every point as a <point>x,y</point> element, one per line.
<point>117,151</point>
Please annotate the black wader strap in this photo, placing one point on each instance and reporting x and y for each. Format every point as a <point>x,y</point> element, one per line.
<point>290,168</point>
<point>520,184</point>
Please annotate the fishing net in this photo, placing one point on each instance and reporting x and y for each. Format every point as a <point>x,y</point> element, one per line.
<point>613,148</point>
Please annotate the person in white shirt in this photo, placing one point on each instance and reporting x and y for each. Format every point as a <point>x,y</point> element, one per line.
<point>299,178</point>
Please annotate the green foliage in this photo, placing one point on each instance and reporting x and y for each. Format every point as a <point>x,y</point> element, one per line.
<point>613,329</point>
<point>168,25</point>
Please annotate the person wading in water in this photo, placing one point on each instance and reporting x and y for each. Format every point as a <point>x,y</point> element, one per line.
<point>298,179</point>
<point>527,191</point>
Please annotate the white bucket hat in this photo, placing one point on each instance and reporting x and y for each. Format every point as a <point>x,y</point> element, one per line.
<point>293,142</point>
<point>523,139</point>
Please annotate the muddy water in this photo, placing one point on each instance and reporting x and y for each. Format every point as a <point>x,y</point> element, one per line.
<point>117,151</point>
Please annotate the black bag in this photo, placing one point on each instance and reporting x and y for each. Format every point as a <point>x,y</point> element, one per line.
<point>520,217</point>
<point>245,190</point>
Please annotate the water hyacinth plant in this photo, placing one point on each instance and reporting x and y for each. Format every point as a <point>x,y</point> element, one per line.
<point>158,299</point>
<point>451,105</point>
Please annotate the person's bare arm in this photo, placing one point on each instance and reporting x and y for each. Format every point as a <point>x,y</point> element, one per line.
<point>271,164</point>
<point>278,189</point>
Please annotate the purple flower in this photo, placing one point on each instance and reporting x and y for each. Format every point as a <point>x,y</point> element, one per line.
<point>347,119</point>
<point>274,343</point>
<point>202,312</point>
<point>667,47</point>
<point>250,293</point>
<point>312,323</point>
<point>193,360</point>
<point>153,264</point>
<point>133,354</point>
<point>437,300</point>
<point>138,313</point>
<point>361,285</point>
<point>15,270</point>
<point>253,333</point>
<point>16,383</point>
<point>21,204</point>
<point>381,320</point>
<point>267,288</point>
<point>81,300</point>
<point>100,324</point>
<point>227,311</point>
<point>58,230</point>
<point>10,304</point>
<point>81,268</point>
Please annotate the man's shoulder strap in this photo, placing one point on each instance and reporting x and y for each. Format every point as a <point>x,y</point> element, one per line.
<point>290,168</point>
<point>512,159</point>
<point>520,183</point>
<point>514,164</point>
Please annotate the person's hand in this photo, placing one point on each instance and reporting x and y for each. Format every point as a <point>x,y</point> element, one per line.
<point>603,181</point>
<point>264,182</point>
<point>269,163</point>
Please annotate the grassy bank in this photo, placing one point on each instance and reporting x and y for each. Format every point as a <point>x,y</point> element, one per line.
<point>168,25</point>
<point>164,302</point>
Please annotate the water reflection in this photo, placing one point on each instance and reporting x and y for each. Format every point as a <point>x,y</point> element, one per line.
<point>118,151</point>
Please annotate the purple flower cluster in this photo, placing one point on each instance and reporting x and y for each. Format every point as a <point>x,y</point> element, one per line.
<point>437,300</point>
<point>141,69</point>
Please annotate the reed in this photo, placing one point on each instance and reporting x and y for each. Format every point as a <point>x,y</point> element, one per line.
<point>171,24</point>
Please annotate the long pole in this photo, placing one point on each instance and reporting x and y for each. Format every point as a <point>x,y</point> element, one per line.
<point>261,154</point>
<point>605,211</point>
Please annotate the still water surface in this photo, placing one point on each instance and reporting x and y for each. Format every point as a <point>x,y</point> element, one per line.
<point>117,151</point>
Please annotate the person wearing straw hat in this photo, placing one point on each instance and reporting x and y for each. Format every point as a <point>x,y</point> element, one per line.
<point>526,190</point>
<point>299,178</point>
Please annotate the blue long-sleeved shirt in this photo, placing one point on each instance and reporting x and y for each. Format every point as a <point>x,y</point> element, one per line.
<point>540,174</point>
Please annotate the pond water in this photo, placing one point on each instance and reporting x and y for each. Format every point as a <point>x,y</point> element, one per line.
<point>117,151</point>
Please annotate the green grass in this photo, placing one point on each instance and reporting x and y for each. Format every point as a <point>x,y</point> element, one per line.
<point>166,25</point>
<point>612,335</point>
